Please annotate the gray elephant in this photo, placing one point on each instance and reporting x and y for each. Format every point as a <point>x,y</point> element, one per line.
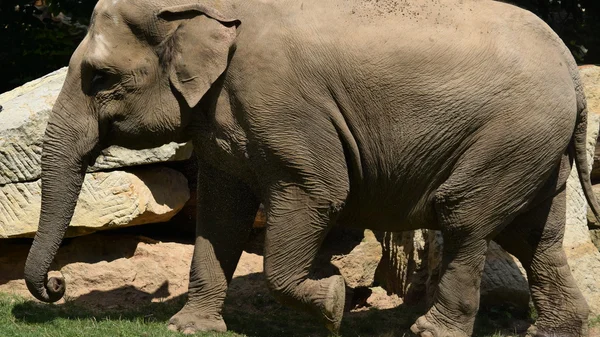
<point>458,115</point>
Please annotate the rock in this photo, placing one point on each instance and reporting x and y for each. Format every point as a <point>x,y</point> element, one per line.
<point>23,122</point>
<point>595,236</point>
<point>107,271</point>
<point>402,268</point>
<point>107,200</point>
<point>582,255</point>
<point>358,266</point>
<point>115,271</point>
<point>590,76</point>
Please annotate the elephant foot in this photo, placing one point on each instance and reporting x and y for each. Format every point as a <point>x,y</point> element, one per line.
<point>429,326</point>
<point>534,331</point>
<point>332,308</point>
<point>189,322</point>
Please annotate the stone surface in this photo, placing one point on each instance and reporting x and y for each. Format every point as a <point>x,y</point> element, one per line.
<point>402,268</point>
<point>582,255</point>
<point>107,200</point>
<point>590,76</point>
<point>358,266</point>
<point>23,122</point>
<point>107,271</point>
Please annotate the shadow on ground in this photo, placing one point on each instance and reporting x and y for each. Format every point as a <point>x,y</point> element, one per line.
<point>251,310</point>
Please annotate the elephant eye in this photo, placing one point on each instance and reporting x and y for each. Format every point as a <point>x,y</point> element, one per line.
<point>102,80</point>
<point>99,80</point>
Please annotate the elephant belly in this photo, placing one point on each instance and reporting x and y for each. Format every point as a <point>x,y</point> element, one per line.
<point>389,210</point>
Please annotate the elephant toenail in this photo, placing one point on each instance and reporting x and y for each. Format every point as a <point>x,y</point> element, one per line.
<point>415,329</point>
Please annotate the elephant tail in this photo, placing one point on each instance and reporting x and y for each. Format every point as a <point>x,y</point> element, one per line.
<point>578,144</point>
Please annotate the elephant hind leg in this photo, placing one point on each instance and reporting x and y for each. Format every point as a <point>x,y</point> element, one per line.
<point>485,192</point>
<point>297,225</point>
<point>535,238</point>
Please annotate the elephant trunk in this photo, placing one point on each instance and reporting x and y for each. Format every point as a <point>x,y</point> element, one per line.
<point>71,138</point>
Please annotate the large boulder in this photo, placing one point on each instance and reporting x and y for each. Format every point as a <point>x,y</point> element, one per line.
<point>23,119</point>
<point>590,76</point>
<point>107,200</point>
<point>107,271</point>
<point>358,266</point>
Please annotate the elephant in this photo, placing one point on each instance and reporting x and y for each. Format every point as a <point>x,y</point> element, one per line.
<point>455,115</point>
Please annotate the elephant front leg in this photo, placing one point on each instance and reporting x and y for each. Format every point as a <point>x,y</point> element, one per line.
<point>297,225</point>
<point>226,211</point>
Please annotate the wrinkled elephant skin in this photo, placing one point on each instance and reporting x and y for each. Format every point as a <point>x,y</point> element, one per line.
<point>454,115</point>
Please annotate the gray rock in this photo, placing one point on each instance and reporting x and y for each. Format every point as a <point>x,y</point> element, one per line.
<point>22,124</point>
<point>107,200</point>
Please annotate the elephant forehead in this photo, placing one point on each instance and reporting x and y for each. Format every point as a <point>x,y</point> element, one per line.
<point>119,12</point>
<point>100,47</point>
<point>129,17</point>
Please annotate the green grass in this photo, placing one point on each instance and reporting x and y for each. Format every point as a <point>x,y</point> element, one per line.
<point>23,318</point>
<point>256,315</point>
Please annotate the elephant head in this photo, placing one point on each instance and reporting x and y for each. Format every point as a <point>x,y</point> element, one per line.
<point>136,80</point>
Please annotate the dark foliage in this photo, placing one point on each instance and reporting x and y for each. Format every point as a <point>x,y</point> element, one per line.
<point>577,22</point>
<point>39,37</point>
<point>35,40</point>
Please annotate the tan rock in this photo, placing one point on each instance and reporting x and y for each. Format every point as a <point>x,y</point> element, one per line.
<point>358,266</point>
<point>110,271</point>
<point>107,271</point>
<point>590,76</point>
<point>107,200</point>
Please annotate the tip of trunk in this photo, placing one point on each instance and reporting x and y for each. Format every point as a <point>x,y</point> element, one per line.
<point>50,290</point>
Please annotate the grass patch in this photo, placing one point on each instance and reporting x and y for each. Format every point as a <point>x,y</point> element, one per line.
<point>23,318</point>
<point>252,316</point>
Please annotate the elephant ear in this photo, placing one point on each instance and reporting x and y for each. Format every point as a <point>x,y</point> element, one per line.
<point>200,48</point>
